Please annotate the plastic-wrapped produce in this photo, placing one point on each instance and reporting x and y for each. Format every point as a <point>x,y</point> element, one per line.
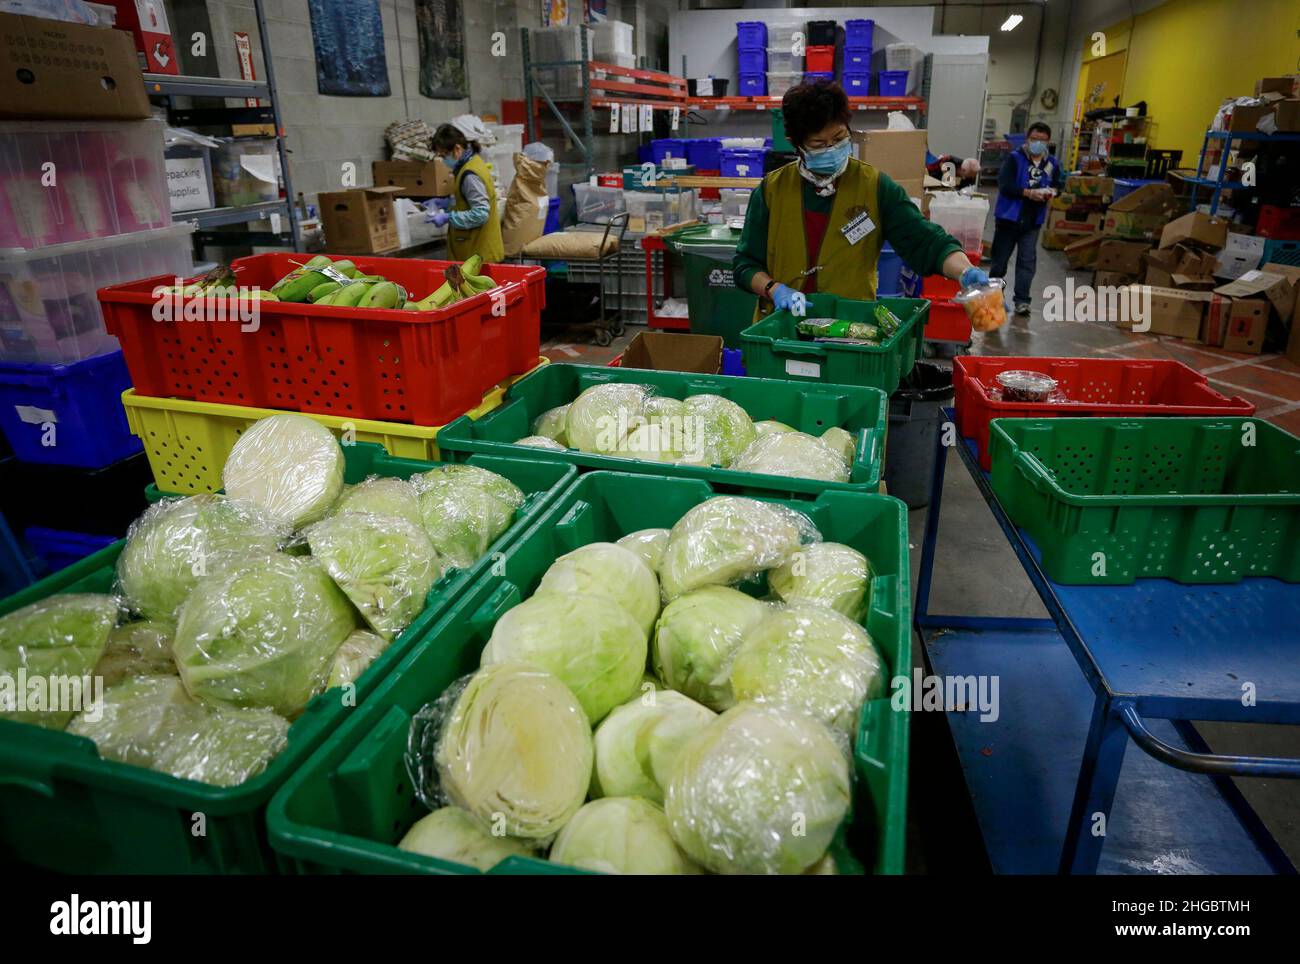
<point>262,634</point>
<point>621,835</point>
<point>696,638</point>
<point>385,565</point>
<point>717,430</point>
<point>769,427</point>
<point>354,657</point>
<point>449,833</point>
<point>460,478</point>
<point>812,658</point>
<point>540,442</point>
<point>841,443</point>
<point>654,442</point>
<point>137,649</point>
<point>61,636</point>
<point>381,496</point>
<point>465,508</point>
<point>663,409</point>
<point>610,570</point>
<point>510,745</point>
<point>761,790</point>
<point>826,573</point>
<point>592,644</point>
<point>649,544</point>
<point>289,465</point>
<point>795,455</point>
<point>550,424</point>
<point>600,419</point>
<point>639,742</point>
<point>727,539</point>
<point>178,540</point>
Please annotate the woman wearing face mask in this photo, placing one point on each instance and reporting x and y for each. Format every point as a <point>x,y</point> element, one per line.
<point>471,211</point>
<point>818,225</point>
<point>1026,183</point>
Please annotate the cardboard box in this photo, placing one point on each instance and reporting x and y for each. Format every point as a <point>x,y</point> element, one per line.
<point>1246,118</point>
<point>673,352</point>
<point>1178,313</point>
<point>1113,279</point>
<point>1158,276</point>
<point>1287,115</point>
<point>52,70</point>
<point>1240,254</point>
<point>360,221</point>
<point>1273,284</point>
<point>900,154</point>
<point>1083,253</point>
<point>147,21</point>
<point>1060,230</point>
<point>1191,282</point>
<point>1090,186</point>
<point>415,178</point>
<point>1247,325</point>
<point>1215,325</point>
<point>1141,214</point>
<point>1196,228</point>
<point>1125,257</point>
<point>1288,86</point>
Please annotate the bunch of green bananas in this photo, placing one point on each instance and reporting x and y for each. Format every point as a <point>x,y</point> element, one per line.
<point>460,281</point>
<point>310,283</point>
<point>219,283</point>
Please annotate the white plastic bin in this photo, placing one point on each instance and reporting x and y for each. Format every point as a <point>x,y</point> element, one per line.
<point>782,61</point>
<point>781,34</point>
<point>901,56</point>
<point>49,311</point>
<point>961,216</point>
<point>653,210</point>
<point>246,171</point>
<point>596,205</point>
<point>735,202</point>
<point>779,83</point>
<point>610,37</point>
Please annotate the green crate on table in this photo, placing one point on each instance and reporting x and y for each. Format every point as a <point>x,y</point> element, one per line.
<point>339,813</point>
<point>1110,500</point>
<point>64,808</point>
<point>864,412</point>
<point>773,349</point>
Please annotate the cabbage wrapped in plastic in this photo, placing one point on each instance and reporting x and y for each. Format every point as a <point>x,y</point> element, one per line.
<point>137,649</point>
<point>795,455</point>
<point>465,509</point>
<point>609,570</point>
<point>696,638</point>
<point>664,409</point>
<point>61,636</point>
<point>288,464</point>
<point>727,539</point>
<point>449,833</point>
<point>828,574</point>
<point>262,634</point>
<point>177,541</point>
<point>590,643</point>
<point>813,659</point>
<point>769,426</point>
<point>600,419</point>
<point>511,745</point>
<point>541,442</point>
<point>550,424</point>
<point>761,790</point>
<point>649,544</point>
<point>653,442</point>
<point>637,745</point>
<point>841,442</point>
<point>717,430</point>
<point>384,564</point>
<point>381,496</point>
<point>354,657</point>
<point>620,835</point>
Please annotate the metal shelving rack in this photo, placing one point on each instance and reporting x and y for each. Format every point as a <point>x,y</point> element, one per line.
<point>1221,183</point>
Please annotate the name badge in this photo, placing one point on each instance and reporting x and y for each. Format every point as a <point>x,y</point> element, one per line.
<point>858,228</point>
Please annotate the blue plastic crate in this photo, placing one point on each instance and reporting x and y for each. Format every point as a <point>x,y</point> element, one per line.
<point>893,83</point>
<point>55,550</point>
<point>888,268</point>
<point>1281,252</point>
<point>705,153</point>
<point>552,217</point>
<point>813,76</point>
<point>752,61</point>
<point>740,163</point>
<point>662,148</point>
<point>753,85</point>
<point>751,35</point>
<point>857,59</point>
<point>856,83</point>
<point>857,33</point>
<point>67,414</point>
<point>733,361</point>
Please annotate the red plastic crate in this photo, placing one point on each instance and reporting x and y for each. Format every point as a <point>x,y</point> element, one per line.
<point>1278,223</point>
<point>819,59</point>
<point>948,321</point>
<point>426,367</point>
<point>709,193</point>
<point>1113,387</point>
<point>937,288</point>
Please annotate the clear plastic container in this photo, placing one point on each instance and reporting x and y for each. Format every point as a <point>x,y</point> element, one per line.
<point>596,205</point>
<point>901,56</point>
<point>49,311</point>
<point>960,215</point>
<point>985,305</point>
<point>66,181</point>
<point>610,37</point>
<point>781,60</point>
<point>246,171</point>
<point>654,210</point>
<point>779,83</point>
<point>1025,386</point>
<point>735,202</point>
<point>781,34</point>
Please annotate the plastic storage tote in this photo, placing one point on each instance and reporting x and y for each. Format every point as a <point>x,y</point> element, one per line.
<point>339,813</point>
<point>67,414</point>
<point>753,85</point>
<point>858,33</point>
<point>814,77</point>
<point>742,163</point>
<point>421,367</point>
<point>819,59</point>
<point>67,810</point>
<point>773,348</point>
<point>889,268</point>
<point>822,33</point>
<point>961,216</point>
<point>893,83</point>
<point>751,35</point>
<point>856,83</point>
<point>1116,387</point>
<point>735,202</point>
<point>48,306</point>
<point>779,83</point>
<point>54,496</point>
<point>901,56</point>
<point>188,442</point>
<point>807,408</point>
<point>782,61</point>
<point>948,322</point>
<point>717,306</point>
<point>246,171</point>
<point>110,180</point>
<point>752,61</point>
<point>611,37</point>
<point>857,59</point>
<point>705,152</point>
<point>662,148</point>
<point>1111,500</point>
<point>597,205</point>
<point>56,550</point>
<point>781,34</point>
<point>652,210</point>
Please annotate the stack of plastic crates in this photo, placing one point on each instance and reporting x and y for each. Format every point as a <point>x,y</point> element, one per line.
<point>751,43</point>
<point>857,57</point>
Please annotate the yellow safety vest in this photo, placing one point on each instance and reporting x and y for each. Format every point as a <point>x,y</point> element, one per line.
<point>485,240</point>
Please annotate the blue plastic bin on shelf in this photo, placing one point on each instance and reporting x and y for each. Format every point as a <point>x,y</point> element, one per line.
<point>752,61</point>
<point>856,83</point>
<point>857,33</point>
<point>552,217</point>
<point>741,163</point>
<point>813,76</point>
<point>751,35</point>
<point>893,83</point>
<point>753,85</point>
<point>888,268</point>
<point>733,361</point>
<point>57,550</point>
<point>644,155</point>
<point>705,153</point>
<point>662,148</point>
<point>857,59</point>
<point>67,414</point>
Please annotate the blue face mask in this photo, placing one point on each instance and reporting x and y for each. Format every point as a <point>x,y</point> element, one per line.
<point>829,159</point>
<point>1036,148</point>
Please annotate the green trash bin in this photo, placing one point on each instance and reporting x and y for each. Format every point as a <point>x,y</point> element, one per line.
<point>717,306</point>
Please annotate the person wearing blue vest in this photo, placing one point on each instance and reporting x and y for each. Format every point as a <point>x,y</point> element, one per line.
<point>1027,181</point>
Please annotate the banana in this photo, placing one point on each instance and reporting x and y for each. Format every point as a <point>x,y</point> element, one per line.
<point>349,295</point>
<point>411,306</point>
<point>480,282</point>
<point>382,295</point>
<point>327,299</point>
<point>296,285</point>
<point>472,264</point>
<point>321,290</point>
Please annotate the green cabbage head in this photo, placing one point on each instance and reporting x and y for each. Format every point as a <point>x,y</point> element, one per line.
<point>840,442</point>
<point>696,638</point>
<point>828,573</point>
<point>794,455</point>
<point>137,649</point>
<point>638,743</point>
<point>354,657</point>
<point>465,509</point>
<point>649,544</point>
<point>621,835</point>
<point>288,464</point>
<point>550,424</point>
<point>381,496</point>
<point>541,442</point>
<point>770,426</point>
<point>609,570</point>
<point>450,833</point>
<point>600,419</point>
<point>717,430</point>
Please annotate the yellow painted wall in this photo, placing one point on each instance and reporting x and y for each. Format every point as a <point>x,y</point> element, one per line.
<point>1186,56</point>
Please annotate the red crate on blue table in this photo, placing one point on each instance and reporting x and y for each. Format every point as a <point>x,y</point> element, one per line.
<point>421,367</point>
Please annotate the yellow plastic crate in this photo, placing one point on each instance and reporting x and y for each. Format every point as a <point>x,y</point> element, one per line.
<point>187,442</point>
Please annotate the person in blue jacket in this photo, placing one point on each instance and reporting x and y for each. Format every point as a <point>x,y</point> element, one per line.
<point>1027,181</point>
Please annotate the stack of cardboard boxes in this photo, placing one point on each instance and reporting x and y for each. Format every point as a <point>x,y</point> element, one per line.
<point>1075,216</point>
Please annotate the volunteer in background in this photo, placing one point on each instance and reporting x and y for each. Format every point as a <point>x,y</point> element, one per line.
<point>818,224</point>
<point>471,210</point>
<point>1027,181</point>
<point>951,170</point>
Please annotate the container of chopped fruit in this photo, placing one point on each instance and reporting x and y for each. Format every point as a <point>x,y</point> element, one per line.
<point>1023,386</point>
<point>985,304</point>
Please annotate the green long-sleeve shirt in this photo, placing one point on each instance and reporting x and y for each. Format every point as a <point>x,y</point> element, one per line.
<point>922,245</point>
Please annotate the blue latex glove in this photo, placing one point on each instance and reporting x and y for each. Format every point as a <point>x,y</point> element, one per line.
<point>787,299</point>
<point>439,204</point>
<point>974,276</point>
<point>438,218</point>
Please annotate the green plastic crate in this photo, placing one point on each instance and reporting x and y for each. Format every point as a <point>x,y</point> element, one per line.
<point>1110,500</point>
<point>772,347</point>
<point>339,813</point>
<point>808,408</point>
<point>64,808</point>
